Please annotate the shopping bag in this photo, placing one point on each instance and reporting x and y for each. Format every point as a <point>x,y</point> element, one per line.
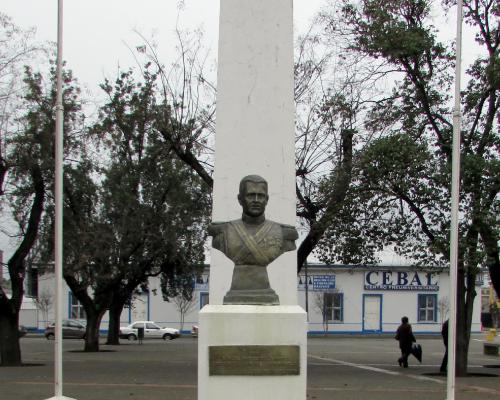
<point>416,350</point>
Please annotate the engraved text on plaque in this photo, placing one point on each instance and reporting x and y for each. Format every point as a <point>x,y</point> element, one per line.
<point>254,360</point>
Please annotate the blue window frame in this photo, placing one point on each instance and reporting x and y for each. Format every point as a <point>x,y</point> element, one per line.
<point>203,299</point>
<point>76,310</point>
<point>333,304</point>
<point>427,307</point>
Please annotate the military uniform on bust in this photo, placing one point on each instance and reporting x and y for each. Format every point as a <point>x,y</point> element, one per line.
<point>252,243</point>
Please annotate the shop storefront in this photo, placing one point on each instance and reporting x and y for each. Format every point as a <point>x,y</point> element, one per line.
<point>372,299</point>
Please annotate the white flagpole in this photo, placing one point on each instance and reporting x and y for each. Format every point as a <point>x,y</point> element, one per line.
<point>59,134</point>
<point>455,193</point>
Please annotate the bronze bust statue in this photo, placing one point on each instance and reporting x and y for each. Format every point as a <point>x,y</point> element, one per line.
<point>252,243</point>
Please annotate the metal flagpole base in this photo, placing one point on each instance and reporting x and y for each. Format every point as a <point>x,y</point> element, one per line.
<point>61,398</point>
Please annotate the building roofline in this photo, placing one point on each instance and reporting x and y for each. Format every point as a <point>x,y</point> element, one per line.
<point>379,267</point>
<point>367,267</point>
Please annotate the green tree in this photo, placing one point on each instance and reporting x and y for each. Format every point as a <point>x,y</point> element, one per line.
<point>146,215</point>
<point>29,157</point>
<point>86,248</point>
<point>17,48</point>
<point>403,180</point>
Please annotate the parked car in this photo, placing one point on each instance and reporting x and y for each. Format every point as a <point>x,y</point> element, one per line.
<point>151,330</point>
<point>71,329</point>
<point>194,331</point>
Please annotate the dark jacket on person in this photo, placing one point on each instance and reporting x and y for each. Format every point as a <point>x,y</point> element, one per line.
<point>444,332</point>
<point>405,337</point>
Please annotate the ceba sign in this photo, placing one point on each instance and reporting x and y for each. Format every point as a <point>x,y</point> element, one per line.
<point>401,280</point>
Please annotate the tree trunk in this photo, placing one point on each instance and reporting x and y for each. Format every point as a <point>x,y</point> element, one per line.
<point>308,244</point>
<point>494,270</point>
<point>490,240</point>
<point>334,204</point>
<point>187,157</point>
<point>183,316</point>
<point>9,308</point>
<point>461,354</point>
<point>10,350</point>
<point>115,312</point>
<point>92,331</point>
<point>94,309</point>
<point>466,293</point>
<point>3,172</point>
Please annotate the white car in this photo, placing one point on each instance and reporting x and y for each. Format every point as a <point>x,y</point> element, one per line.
<point>151,331</point>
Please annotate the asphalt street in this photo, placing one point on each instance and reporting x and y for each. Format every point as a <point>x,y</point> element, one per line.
<point>346,368</point>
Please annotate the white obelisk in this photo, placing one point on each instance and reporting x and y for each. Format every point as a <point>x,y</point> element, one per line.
<point>255,135</point>
<point>255,126</point>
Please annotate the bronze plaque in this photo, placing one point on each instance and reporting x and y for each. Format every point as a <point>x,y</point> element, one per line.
<point>254,360</point>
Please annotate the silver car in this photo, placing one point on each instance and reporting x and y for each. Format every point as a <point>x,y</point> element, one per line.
<point>71,329</point>
<point>150,330</point>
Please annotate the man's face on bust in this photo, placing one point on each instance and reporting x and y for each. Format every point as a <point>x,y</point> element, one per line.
<point>254,198</point>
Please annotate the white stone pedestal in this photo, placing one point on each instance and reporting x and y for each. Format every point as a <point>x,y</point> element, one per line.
<point>241,325</point>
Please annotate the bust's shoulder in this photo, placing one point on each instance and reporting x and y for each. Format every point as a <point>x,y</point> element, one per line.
<point>289,232</point>
<point>216,228</point>
<point>286,226</point>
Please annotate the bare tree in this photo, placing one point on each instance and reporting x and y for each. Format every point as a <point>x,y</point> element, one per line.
<point>44,303</point>
<point>189,124</point>
<point>17,48</point>
<point>444,309</point>
<point>184,305</point>
<point>319,306</point>
<point>332,93</point>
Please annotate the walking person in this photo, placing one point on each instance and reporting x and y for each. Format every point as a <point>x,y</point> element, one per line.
<point>444,334</point>
<point>405,337</point>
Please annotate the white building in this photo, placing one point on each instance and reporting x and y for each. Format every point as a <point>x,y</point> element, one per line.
<point>344,299</point>
<point>372,299</point>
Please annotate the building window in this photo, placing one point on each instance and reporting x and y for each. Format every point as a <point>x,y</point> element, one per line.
<point>76,308</point>
<point>427,307</point>
<point>333,304</point>
<point>31,282</point>
<point>203,299</point>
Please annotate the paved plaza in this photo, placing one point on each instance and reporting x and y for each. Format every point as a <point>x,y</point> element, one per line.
<point>343,368</point>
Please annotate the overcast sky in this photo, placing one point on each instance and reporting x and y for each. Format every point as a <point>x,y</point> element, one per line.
<point>97,32</point>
